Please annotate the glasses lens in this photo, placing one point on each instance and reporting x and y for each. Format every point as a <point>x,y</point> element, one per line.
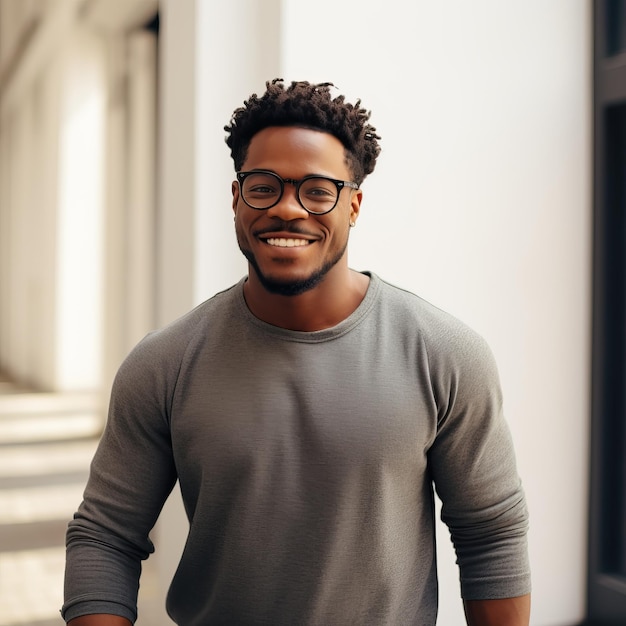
<point>318,195</point>
<point>261,190</point>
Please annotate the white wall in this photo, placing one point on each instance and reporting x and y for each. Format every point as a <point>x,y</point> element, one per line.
<point>480,202</point>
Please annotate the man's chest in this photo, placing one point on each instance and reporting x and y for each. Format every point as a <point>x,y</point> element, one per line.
<point>302,411</point>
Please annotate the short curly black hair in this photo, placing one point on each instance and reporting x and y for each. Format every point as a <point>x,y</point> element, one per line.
<point>311,106</point>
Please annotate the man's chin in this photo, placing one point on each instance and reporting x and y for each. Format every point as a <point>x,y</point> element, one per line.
<point>289,287</point>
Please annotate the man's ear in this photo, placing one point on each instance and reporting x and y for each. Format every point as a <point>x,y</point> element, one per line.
<point>234,189</point>
<point>355,205</point>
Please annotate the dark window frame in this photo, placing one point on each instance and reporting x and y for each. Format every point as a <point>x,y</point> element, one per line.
<point>606,590</point>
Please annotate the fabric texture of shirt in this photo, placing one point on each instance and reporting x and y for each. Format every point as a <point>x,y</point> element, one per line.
<point>306,462</point>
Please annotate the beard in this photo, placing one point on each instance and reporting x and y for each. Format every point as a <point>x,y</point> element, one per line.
<point>293,287</point>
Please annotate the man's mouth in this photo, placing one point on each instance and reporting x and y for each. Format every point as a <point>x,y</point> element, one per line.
<point>282,242</point>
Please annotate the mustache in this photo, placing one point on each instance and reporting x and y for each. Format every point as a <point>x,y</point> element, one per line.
<point>283,227</point>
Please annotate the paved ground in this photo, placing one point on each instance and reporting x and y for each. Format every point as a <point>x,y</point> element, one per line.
<point>46,445</point>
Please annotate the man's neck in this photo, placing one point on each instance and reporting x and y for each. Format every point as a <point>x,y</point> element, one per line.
<point>324,306</point>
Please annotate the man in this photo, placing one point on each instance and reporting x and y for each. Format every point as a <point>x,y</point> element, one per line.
<point>307,413</point>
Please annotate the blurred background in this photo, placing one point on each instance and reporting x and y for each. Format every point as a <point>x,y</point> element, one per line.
<point>500,196</point>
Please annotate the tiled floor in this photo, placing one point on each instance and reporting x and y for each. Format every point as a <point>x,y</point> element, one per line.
<point>46,445</point>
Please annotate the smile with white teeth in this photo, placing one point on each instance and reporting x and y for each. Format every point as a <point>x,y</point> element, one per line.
<point>287,243</point>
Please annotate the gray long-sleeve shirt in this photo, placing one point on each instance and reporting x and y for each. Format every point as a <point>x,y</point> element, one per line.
<point>306,462</point>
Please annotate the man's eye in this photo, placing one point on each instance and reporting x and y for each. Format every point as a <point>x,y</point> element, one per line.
<point>319,191</point>
<point>262,189</point>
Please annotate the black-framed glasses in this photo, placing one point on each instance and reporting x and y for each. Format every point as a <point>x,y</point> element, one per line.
<point>262,189</point>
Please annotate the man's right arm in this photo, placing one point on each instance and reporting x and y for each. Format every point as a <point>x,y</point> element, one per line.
<point>131,475</point>
<point>99,620</point>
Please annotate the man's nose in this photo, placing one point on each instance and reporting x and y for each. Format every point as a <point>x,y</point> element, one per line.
<point>288,208</point>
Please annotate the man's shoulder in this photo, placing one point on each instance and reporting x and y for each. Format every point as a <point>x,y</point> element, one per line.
<point>442,333</point>
<point>404,303</point>
<point>175,337</point>
<point>207,312</point>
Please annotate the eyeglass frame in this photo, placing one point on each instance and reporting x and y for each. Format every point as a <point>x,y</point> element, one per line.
<point>340,184</point>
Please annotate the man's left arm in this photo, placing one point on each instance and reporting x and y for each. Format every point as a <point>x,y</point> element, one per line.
<point>472,462</point>
<point>506,612</point>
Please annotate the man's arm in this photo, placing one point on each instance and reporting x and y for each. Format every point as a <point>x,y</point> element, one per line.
<point>131,476</point>
<point>507,612</point>
<point>99,620</point>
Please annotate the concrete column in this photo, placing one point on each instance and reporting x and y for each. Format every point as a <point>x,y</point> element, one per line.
<point>130,197</point>
<point>79,218</point>
<point>51,125</point>
<point>141,204</point>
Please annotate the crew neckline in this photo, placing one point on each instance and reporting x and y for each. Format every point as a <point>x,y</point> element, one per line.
<point>315,336</point>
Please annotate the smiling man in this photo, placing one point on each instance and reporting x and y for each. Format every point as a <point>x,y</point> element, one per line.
<point>309,412</point>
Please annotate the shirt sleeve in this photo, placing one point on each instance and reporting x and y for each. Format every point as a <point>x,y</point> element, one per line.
<point>131,475</point>
<point>473,466</point>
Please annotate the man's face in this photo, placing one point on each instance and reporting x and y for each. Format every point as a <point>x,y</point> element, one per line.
<point>290,250</point>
